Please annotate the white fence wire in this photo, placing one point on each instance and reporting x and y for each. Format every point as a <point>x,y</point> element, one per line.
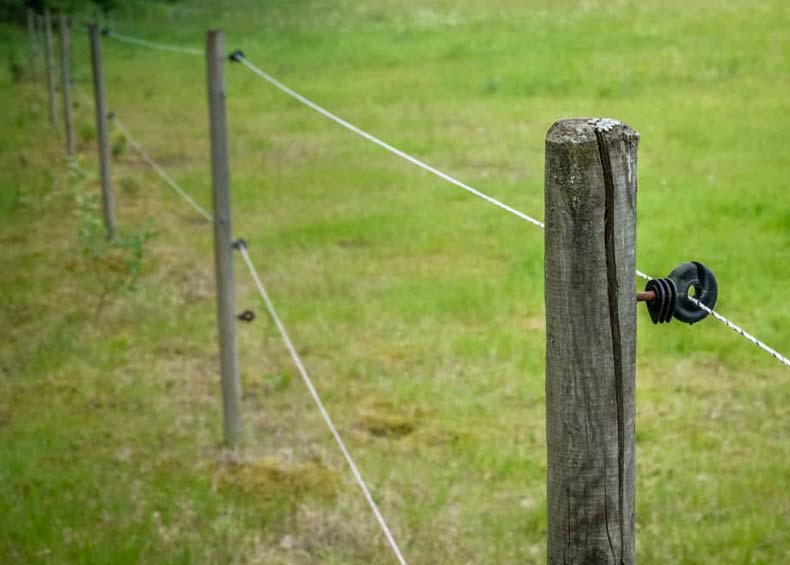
<point>262,289</point>
<point>321,408</point>
<point>285,336</point>
<point>421,164</point>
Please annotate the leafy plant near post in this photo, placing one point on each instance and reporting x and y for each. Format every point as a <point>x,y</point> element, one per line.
<point>116,263</point>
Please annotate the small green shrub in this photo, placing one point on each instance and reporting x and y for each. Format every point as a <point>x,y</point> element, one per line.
<point>116,262</point>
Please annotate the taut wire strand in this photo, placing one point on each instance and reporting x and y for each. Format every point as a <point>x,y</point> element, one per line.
<point>309,384</point>
<point>160,171</point>
<point>421,164</point>
<point>370,137</point>
<point>743,333</point>
<point>734,327</point>
<point>281,328</point>
<point>292,93</point>
<point>153,45</point>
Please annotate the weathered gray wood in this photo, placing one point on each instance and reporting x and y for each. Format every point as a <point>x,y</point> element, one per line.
<point>33,37</point>
<point>65,86</point>
<point>53,118</point>
<point>223,251</point>
<point>590,342</point>
<point>102,134</point>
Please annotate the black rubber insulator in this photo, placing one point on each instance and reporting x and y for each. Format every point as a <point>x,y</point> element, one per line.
<point>672,294</point>
<point>236,55</point>
<point>655,306</point>
<point>663,306</point>
<point>706,290</point>
<point>239,243</point>
<point>671,291</point>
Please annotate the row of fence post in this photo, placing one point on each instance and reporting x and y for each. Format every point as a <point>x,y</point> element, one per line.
<point>51,71</point>
<point>223,246</point>
<point>590,216</point>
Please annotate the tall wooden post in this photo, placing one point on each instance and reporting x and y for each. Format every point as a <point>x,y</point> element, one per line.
<point>223,251</point>
<point>590,290</point>
<point>53,119</point>
<point>65,86</point>
<point>102,135</point>
<point>32,36</point>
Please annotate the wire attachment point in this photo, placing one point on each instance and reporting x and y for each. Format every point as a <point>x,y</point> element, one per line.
<point>246,316</point>
<point>239,244</point>
<point>670,296</point>
<point>236,56</point>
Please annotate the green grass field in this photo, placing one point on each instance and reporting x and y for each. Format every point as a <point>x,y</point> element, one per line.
<point>417,308</point>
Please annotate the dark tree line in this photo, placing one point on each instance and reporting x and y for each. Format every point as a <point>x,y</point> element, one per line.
<point>14,10</point>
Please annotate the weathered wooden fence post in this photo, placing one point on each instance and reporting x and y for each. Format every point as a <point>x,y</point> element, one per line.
<point>65,86</point>
<point>223,250</point>
<point>102,135</point>
<point>53,119</point>
<point>590,290</point>
<point>32,36</point>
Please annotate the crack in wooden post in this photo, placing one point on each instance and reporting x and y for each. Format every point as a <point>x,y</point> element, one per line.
<point>614,313</point>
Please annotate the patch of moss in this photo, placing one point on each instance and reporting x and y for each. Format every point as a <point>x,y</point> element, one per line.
<point>388,425</point>
<point>271,477</point>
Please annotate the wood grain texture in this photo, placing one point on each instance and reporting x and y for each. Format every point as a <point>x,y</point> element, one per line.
<point>590,342</point>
